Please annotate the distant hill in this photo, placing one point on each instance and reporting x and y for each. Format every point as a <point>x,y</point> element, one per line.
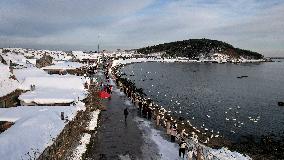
<point>194,48</point>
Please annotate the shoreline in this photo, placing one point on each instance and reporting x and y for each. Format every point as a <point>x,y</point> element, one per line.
<point>190,131</point>
<point>216,142</point>
<point>177,60</point>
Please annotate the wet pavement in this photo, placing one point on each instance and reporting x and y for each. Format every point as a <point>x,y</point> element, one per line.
<point>117,139</point>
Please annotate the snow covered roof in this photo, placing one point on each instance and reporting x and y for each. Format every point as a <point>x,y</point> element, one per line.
<point>34,129</point>
<point>17,58</point>
<point>53,89</point>
<point>64,66</point>
<point>81,55</point>
<point>7,84</point>
<point>22,74</point>
<point>52,96</point>
<point>56,82</point>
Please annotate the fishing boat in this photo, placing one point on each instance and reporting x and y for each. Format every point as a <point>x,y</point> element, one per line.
<point>280,103</point>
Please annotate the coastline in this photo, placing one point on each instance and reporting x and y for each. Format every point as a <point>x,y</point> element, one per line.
<point>195,136</point>
<point>139,60</point>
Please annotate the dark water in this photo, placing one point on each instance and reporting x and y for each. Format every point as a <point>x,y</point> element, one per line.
<point>211,96</point>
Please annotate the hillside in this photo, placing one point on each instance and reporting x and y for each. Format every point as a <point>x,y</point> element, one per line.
<point>195,48</point>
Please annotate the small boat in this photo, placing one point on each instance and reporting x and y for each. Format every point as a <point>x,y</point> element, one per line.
<point>242,76</point>
<point>280,103</point>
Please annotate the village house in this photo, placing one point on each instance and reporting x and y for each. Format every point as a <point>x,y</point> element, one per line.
<point>52,91</point>
<point>4,125</point>
<point>10,100</point>
<point>9,92</point>
<point>64,67</point>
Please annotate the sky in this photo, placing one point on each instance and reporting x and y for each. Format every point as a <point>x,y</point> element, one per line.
<point>256,25</point>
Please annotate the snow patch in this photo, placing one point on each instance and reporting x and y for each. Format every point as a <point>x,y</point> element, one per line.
<point>94,120</point>
<point>35,129</point>
<point>169,151</point>
<point>124,157</point>
<point>77,154</point>
<point>128,102</point>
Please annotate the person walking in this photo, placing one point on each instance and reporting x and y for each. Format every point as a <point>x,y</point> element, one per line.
<point>182,147</point>
<point>189,153</point>
<point>111,88</point>
<point>199,153</point>
<point>149,113</point>
<point>125,114</point>
<point>183,134</point>
<point>140,107</point>
<point>173,133</point>
<point>168,126</point>
<point>158,119</point>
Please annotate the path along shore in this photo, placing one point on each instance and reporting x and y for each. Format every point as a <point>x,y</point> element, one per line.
<point>117,139</point>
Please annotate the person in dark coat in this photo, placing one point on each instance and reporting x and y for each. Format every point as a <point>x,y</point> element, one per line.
<point>182,147</point>
<point>125,114</point>
<point>140,107</point>
<point>149,114</point>
<point>144,111</point>
<point>173,133</point>
<point>109,89</point>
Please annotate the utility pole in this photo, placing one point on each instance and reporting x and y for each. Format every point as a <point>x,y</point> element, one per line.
<point>98,43</point>
<point>98,48</point>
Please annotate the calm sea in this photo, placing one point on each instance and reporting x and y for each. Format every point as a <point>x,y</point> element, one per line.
<point>212,97</point>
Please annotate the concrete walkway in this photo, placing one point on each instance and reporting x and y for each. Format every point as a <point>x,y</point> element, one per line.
<point>116,139</point>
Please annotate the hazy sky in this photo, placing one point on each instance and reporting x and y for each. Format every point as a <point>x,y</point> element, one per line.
<point>256,25</point>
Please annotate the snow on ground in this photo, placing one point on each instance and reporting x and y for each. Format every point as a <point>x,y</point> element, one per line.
<point>226,154</point>
<point>138,60</point>
<point>124,157</point>
<point>85,139</point>
<point>64,65</point>
<point>128,102</point>
<point>94,120</point>
<point>80,149</point>
<point>169,151</point>
<point>34,54</point>
<point>7,84</point>
<point>34,129</point>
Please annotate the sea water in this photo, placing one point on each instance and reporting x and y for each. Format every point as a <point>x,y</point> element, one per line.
<point>215,97</point>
